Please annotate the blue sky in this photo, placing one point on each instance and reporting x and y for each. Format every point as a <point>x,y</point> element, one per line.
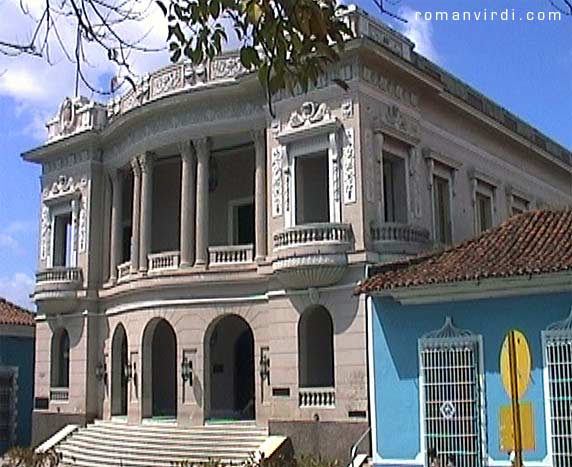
<point>524,66</point>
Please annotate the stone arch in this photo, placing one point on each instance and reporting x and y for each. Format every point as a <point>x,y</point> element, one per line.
<point>159,372</point>
<point>119,363</point>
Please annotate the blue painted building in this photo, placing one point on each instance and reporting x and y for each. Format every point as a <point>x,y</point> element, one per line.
<point>436,329</point>
<point>17,339</point>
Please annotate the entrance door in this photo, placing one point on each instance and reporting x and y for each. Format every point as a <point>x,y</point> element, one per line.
<point>159,386</point>
<point>119,364</point>
<point>230,360</point>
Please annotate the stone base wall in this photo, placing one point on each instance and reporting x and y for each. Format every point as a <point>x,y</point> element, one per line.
<point>47,424</point>
<point>329,440</point>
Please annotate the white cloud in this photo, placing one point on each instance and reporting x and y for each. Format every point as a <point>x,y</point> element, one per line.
<point>9,236</point>
<point>420,32</point>
<point>17,289</point>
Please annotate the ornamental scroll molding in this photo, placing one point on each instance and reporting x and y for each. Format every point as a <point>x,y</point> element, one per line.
<point>277,183</point>
<point>308,114</point>
<point>349,167</point>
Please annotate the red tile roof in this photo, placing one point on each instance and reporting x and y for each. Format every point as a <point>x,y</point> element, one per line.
<point>15,315</point>
<point>535,242</point>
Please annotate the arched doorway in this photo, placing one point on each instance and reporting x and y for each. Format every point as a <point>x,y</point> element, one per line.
<point>229,367</point>
<point>159,370</point>
<point>119,362</point>
<point>60,359</point>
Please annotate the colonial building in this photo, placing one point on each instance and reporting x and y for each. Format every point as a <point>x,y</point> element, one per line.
<point>16,375</point>
<point>438,348</point>
<point>198,257</point>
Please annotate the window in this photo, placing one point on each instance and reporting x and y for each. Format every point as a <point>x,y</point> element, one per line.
<point>312,189</point>
<point>442,210</point>
<point>558,363</point>
<point>8,398</point>
<point>451,385</point>
<point>316,348</point>
<point>484,212</point>
<point>241,222</point>
<point>60,358</point>
<point>394,189</point>
<point>62,254</point>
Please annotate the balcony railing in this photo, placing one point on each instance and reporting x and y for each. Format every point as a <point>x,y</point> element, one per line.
<point>317,397</point>
<point>123,270</point>
<point>164,261</point>
<point>230,254</point>
<point>309,234</point>
<point>60,274</point>
<point>59,394</point>
<point>395,232</point>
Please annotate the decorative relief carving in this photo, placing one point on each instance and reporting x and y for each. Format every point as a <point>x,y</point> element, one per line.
<point>275,127</point>
<point>167,81</point>
<point>415,174</point>
<point>277,182</point>
<point>389,86</point>
<point>82,228</point>
<point>349,167</point>
<point>226,67</point>
<point>76,115</point>
<point>195,75</point>
<point>309,113</point>
<point>370,162</point>
<point>46,233</point>
<point>64,185</point>
<point>65,161</point>
<point>392,117</point>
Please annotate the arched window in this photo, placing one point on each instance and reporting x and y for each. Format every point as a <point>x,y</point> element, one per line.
<point>60,374</point>
<point>316,348</point>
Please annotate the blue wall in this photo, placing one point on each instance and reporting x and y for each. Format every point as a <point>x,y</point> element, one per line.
<point>19,352</point>
<point>396,330</point>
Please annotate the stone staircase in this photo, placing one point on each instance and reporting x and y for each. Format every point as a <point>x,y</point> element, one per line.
<point>116,444</point>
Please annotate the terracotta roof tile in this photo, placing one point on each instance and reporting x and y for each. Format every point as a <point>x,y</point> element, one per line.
<point>535,242</point>
<point>13,314</point>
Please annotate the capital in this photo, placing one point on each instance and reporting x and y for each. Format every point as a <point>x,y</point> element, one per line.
<point>202,148</point>
<point>135,167</point>
<point>187,150</point>
<point>146,162</point>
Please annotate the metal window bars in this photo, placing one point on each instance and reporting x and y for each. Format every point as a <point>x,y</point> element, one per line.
<point>558,358</point>
<point>451,392</point>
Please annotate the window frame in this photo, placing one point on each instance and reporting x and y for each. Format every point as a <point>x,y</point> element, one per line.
<point>233,206</point>
<point>484,185</point>
<point>448,332</point>
<point>66,204</point>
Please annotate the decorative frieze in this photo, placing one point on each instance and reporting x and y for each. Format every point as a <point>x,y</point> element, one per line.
<point>227,67</point>
<point>277,182</point>
<point>349,167</point>
<point>167,81</point>
<point>388,86</point>
<point>391,117</point>
<point>308,114</point>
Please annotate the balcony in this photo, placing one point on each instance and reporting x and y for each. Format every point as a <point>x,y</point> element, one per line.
<point>58,282</point>
<point>393,238</point>
<point>59,394</point>
<point>230,254</point>
<point>317,397</point>
<point>165,261</point>
<point>312,255</point>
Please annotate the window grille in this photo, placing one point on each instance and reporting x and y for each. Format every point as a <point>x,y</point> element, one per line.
<point>452,396</point>
<point>558,358</point>
<point>8,399</point>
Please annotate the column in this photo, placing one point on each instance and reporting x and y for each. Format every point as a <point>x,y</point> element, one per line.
<point>187,229</point>
<point>74,233</point>
<point>116,243</point>
<point>202,152</point>
<point>379,150</point>
<point>146,163</point>
<point>135,224</point>
<point>259,137</point>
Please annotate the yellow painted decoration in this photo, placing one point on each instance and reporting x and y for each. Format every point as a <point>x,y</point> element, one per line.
<point>526,427</point>
<point>523,364</point>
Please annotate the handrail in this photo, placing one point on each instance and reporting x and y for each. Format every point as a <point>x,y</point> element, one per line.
<point>353,450</point>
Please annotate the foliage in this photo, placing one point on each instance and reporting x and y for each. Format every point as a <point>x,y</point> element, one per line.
<point>27,457</point>
<point>289,43</point>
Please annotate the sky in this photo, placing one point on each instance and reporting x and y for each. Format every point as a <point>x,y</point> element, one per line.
<point>525,66</point>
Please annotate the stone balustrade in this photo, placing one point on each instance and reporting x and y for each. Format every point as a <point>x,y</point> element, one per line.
<point>123,270</point>
<point>59,394</point>
<point>309,234</point>
<point>393,231</point>
<point>230,254</point>
<point>317,397</point>
<point>164,261</point>
<point>60,275</point>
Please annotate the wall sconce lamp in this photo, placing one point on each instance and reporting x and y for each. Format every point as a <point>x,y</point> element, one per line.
<point>101,371</point>
<point>264,366</point>
<point>187,371</point>
<point>128,371</point>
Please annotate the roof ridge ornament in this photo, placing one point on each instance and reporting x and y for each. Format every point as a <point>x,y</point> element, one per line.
<point>447,331</point>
